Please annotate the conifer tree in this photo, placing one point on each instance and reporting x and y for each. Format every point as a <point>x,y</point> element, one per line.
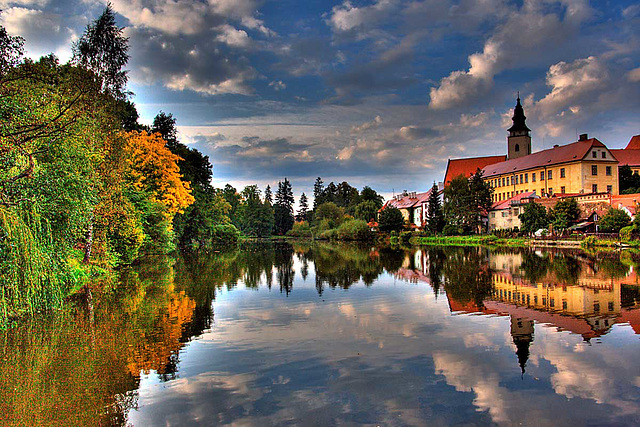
<point>318,188</point>
<point>283,208</point>
<point>304,207</point>
<point>268,195</point>
<point>435,216</point>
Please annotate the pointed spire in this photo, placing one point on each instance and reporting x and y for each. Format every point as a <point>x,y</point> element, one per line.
<point>518,118</point>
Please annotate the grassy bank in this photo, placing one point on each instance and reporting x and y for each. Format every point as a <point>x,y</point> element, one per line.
<point>485,240</point>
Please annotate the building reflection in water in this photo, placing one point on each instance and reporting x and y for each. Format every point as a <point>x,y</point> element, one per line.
<point>568,291</point>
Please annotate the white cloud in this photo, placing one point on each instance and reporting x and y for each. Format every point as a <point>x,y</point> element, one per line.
<point>233,37</point>
<point>4,4</point>
<point>514,43</point>
<point>377,121</point>
<point>236,84</point>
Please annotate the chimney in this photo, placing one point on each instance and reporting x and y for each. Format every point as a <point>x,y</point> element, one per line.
<point>583,137</point>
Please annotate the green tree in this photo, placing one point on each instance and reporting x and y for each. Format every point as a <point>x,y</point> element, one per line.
<point>481,201</point>
<point>613,221</point>
<point>457,202</point>
<point>268,195</point>
<point>435,215</point>
<point>11,51</point>
<point>369,194</point>
<point>103,49</point>
<point>304,208</point>
<point>628,180</point>
<point>255,217</point>
<point>318,188</point>
<point>329,214</point>
<point>533,217</point>
<point>283,208</point>
<point>565,213</point>
<point>390,219</point>
<point>367,210</point>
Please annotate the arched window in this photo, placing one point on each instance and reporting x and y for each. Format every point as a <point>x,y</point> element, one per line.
<point>517,147</point>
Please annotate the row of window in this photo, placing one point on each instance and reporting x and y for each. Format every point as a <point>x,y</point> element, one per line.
<point>498,197</point>
<point>523,178</point>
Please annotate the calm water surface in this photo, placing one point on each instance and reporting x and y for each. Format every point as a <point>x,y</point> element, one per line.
<point>339,335</point>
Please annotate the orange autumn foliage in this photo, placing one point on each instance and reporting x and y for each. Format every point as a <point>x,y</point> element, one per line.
<point>155,169</point>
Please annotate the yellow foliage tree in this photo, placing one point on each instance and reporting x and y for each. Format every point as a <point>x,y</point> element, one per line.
<point>155,169</point>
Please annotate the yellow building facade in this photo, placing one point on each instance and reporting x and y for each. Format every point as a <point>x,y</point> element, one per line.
<point>585,166</point>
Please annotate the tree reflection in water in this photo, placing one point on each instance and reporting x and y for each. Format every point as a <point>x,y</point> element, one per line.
<point>84,368</point>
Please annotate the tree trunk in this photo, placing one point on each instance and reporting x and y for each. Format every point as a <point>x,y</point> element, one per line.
<point>89,244</point>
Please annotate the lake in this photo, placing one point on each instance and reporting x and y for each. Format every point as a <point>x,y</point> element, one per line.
<point>322,334</point>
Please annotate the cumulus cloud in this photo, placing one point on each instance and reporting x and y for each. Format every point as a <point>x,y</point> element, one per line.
<point>634,75</point>
<point>48,29</point>
<point>525,32</point>
<point>185,63</point>
<point>347,17</point>
<point>570,81</point>
<point>233,37</point>
<point>377,121</point>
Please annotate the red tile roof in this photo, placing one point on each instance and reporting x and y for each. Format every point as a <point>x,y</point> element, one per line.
<point>409,201</point>
<point>553,156</point>
<point>506,204</point>
<point>627,156</point>
<point>468,167</point>
<point>634,144</point>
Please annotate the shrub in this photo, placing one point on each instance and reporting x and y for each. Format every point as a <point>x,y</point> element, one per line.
<point>300,229</point>
<point>224,235</point>
<point>356,229</point>
<point>451,230</point>
<point>613,221</point>
<point>625,232</point>
<point>390,219</point>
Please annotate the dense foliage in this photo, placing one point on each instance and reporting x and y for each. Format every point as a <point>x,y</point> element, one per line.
<point>466,202</point>
<point>613,221</point>
<point>533,218</point>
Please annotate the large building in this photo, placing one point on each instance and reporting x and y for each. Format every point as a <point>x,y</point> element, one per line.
<point>586,166</point>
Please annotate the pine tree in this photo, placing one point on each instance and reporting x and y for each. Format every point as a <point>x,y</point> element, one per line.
<point>304,207</point>
<point>268,195</point>
<point>318,188</point>
<point>435,216</point>
<point>283,208</point>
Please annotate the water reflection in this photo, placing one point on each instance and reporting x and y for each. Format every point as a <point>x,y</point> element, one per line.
<point>327,334</point>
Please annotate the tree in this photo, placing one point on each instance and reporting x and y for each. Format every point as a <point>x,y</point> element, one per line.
<point>318,188</point>
<point>533,217</point>
<point>367,210</point>
<point>329,214</point>
<point>369,194</point>
<point>629,180</point>
<point>103,49</point>
<point>613,221</point>
<point>283,208</point>
<point>11,51</point>
<point>255,217</point>
<point>466,202</point>
<point>481,199</point>
<point>347,196</point>
<point>165,125</point>
<point>268,195</point>
<point>435,216</point>
<point>304,207</point>
<point>390,219</point>
<point>565,213</point>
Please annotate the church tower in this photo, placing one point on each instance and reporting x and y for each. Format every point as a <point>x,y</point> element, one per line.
<point>519,139</point>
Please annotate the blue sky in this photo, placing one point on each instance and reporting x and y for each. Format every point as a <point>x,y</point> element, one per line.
<point>377,93</point>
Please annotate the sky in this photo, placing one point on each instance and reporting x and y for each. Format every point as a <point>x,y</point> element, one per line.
<point>372,92</point>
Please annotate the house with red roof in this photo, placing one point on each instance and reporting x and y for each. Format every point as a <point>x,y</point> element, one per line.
<point>504,215</point>
<point>412,205</point>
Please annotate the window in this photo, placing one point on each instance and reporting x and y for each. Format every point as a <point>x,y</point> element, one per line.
<point>594,188</point>
<point>526,177</point>
<point>610,306</point>
<point>505,214</point>
<point>550,191</point>
<point>493,214</point>
<point>533,177</point>
<point>562,189</point>
<point>503,182</point>
<point>516,212</point>
<point>562,175</point>
<point>517,148</point>
<point>594,154</point>
<point>594,169</point>
<point>609,188</point>
<point>541,175</point>
<point>604,155</point>
<point>552,302</point>
<point>608,170</point>
<point>549,175</point>
<point>515,178</point>
<point>541,192</point>
<point>521,178</point>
